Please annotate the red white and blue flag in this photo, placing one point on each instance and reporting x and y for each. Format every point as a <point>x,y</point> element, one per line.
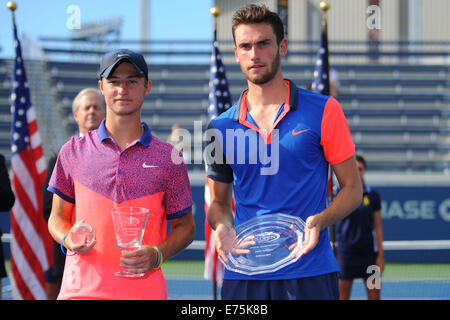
<point>219,101</point>
<point>31,244</point>
<point>321,82</point>
<point>321,85</point>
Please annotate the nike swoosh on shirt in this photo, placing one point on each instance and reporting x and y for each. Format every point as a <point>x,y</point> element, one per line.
<point>148,166</point>
<point>294,133</point>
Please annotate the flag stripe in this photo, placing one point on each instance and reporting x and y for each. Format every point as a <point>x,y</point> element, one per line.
<point>23,194</point>
<point>32,287</point>
<point>24,179</point>
<point>41,166</point>
<point>32,239</point>
<point>26,255</point>
<point>35,140</point>
<point>32,127</point>
<point>19,287</point>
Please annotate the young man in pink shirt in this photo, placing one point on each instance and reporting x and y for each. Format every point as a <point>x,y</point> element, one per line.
<point>120,164</point>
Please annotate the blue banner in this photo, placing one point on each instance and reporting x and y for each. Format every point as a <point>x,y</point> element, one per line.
<point>415,213</point>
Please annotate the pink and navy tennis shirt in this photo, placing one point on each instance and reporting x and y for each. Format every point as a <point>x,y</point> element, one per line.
<point>309,132</point>
<point>96,175</point>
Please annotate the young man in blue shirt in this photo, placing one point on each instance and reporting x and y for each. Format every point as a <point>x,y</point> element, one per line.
<point>302,132</point>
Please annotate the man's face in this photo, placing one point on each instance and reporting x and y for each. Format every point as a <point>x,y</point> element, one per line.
<point>90,112</point>
<point>257,52</point>
<point>124,90</point>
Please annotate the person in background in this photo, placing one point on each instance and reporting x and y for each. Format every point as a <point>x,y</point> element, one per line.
<point>360,241</point>
<point>7,200</point>
<point>88,110</point>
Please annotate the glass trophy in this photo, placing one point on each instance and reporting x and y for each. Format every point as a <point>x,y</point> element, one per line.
<point>265,244</point>
<point>81,234</point>
<point>129,225</point>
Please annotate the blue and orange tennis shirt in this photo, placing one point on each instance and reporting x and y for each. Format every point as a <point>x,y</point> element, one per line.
<point>96,175</point>
<point>284,170</point>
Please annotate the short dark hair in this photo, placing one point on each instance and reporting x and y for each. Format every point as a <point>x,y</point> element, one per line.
<point>252,13</point>
<point>360,159</point>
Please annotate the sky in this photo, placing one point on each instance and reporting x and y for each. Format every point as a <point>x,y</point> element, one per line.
<point>168,19</point>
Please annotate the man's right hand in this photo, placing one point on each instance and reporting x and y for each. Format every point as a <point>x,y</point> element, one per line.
<point>223,238</point>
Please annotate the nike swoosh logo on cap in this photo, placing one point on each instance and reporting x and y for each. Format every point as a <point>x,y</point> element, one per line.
<point>294,133</point>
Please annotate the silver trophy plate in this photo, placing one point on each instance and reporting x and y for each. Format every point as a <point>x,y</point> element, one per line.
<point>265,244</point>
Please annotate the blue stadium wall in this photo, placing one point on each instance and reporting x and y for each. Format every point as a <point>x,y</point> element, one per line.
<point>409,213</point>
<point>416,213</point>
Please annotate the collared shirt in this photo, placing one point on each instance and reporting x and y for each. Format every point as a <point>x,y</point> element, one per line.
<point>284,171</point>
<point>96,175</point>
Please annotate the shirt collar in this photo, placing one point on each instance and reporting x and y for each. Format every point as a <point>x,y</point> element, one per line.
<point>145,139</point>
<point>293,99</point>
<point>102,133</point>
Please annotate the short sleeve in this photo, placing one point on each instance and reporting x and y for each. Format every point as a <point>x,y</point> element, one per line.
<point>376,200</point>
<point>61,181</point>
<point>46,195</point>
<point>178,195</point>
<point>336,138</point>
<point>217,167</point>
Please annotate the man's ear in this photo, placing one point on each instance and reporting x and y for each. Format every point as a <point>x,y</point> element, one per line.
<point>75,116</point>
<point>149,87</point>
<point>283,47</point>
<point>100,85</point>
<point>235,54</point>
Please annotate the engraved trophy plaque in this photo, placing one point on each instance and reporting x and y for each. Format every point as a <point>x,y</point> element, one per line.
<point>265,244</point>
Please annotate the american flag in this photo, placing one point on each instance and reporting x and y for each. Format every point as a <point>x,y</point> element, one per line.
<point>321,85</point>
<point>219,101</point>
<point>31,245</point>
<point>321,82</point>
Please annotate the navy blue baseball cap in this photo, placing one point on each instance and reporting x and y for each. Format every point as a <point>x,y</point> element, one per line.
<point>112,59</point>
